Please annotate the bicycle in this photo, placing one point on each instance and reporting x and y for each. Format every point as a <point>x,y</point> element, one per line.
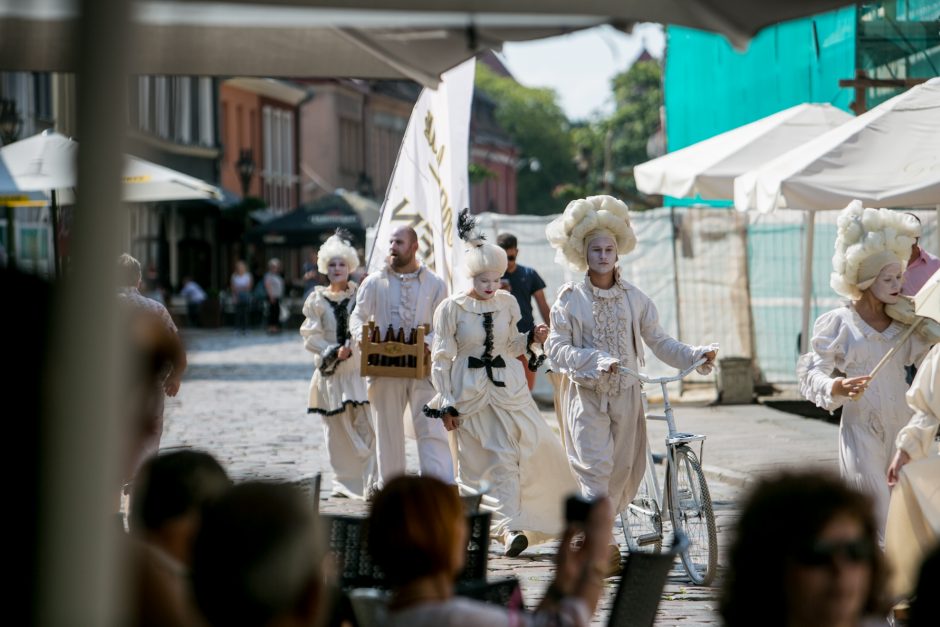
<point>688,501</point>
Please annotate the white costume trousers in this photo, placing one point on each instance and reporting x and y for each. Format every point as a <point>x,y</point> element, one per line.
<point>350,443</point>
<point>388,397</point>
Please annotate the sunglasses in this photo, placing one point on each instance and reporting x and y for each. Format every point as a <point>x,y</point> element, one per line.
<point>510,257</point>
<point>825,553</point>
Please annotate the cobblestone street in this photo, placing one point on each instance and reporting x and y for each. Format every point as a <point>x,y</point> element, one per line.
<point>244,400</point>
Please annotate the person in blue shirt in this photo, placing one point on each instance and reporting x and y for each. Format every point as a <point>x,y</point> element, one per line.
<point>525,284</point>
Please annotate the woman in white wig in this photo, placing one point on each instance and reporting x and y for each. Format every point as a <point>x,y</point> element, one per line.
<point>504,446</point>
<point>872,247</point>
<point>598,323</point>
<point>337,390</point>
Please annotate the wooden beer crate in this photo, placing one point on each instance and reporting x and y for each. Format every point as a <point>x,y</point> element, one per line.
<point>382,351</point>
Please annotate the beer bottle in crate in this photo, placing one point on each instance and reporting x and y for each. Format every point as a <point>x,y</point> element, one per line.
<point>389,337</point>
<point>412,340</point>
<point>376,338</point>
<point>401,362</point>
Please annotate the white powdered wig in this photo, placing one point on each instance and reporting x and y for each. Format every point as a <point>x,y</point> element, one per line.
<point>337,246</point>
<point>587,218</point>
<point>480,256</point>
<point>881,234</point>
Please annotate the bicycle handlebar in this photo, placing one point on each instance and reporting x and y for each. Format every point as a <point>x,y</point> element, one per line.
<point>627,372</point>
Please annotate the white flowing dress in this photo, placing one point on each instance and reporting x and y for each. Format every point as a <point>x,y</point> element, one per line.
<point>337,391</point>
<point>844,343</point>
<point>503,442</point>
<point>914,515</point>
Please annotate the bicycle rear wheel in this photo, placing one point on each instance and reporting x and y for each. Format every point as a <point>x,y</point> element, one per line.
<point>692,514</point>
<point>642,521</point>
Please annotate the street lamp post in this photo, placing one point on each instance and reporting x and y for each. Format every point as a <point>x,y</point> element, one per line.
<point>10,126</point>
<point>246,169</point>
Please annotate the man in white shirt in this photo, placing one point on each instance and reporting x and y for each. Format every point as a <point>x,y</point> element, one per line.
<point>403,295</point>
<point>195,296</point>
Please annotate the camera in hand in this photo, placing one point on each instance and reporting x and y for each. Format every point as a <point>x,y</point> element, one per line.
<point>577,508</point>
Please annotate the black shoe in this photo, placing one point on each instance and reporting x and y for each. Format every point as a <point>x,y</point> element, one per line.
<point>516,543</point>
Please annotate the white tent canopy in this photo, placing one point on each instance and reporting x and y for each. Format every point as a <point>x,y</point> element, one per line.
<point>48,161</point>
<point>708,168</point>
<point>415,39</point>
<point>887,157</point>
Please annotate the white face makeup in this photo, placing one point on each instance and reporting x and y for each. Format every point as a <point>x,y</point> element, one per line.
<point>337,270</point>
<point>485,284</point>
<point>602,254</point>
<point>887,286</point>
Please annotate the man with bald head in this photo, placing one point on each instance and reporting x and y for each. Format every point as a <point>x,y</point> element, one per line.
<point>404,294</point>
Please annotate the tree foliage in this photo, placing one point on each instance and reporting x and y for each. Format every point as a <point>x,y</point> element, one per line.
<point>540,130</point>
<point>637,96</point>
<point>573,156</point>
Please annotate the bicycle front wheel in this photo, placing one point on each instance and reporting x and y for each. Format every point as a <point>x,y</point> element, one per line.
<point>692,514</point>
<point>642,521</point>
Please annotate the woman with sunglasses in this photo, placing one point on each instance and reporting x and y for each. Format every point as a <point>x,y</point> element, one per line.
<point>805,554</point>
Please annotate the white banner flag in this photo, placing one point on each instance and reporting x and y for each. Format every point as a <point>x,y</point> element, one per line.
<point>429,184</point>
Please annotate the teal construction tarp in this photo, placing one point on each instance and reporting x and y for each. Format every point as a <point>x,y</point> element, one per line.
<point>711,88</point>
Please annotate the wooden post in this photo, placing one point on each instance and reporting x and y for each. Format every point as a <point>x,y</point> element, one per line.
<point>861,83</point>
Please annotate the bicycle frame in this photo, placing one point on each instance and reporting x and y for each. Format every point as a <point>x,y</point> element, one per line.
<point>674,439</point>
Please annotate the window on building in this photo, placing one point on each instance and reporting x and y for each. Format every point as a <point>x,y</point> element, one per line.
<point>350,147</point>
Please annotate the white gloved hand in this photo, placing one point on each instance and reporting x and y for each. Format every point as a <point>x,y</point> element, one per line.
<point>708,366</point>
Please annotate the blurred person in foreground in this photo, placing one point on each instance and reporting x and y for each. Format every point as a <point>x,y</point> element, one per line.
<point>525,284</point>
<point>804,554</point>
<point>257,559</point>
<point>418,536</point>
<point>913,527</point>
<point>167,500</point>
<point>167,360</point>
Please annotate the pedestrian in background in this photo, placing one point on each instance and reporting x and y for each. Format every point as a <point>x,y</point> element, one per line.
<point>195,296</point>
<point>312,276</point>
<point>525,284</point>
<point>921,265</point>
<point>241,285</point>
<point>274,289</point>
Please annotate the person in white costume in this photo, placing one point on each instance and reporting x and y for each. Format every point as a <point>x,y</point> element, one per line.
<point>403,295</point>
<point>504,446</point>
<point>337,391</point>
<point>597,324</point>
<point>871,249</point>
<point>914,515</point>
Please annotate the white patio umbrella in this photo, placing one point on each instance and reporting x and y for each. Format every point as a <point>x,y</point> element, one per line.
<point>708,168</point>
<point>887,157</point>
<point>47,162</point>
<point>415,39</point>
<point>148,182</point>
<point>41,170</point>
